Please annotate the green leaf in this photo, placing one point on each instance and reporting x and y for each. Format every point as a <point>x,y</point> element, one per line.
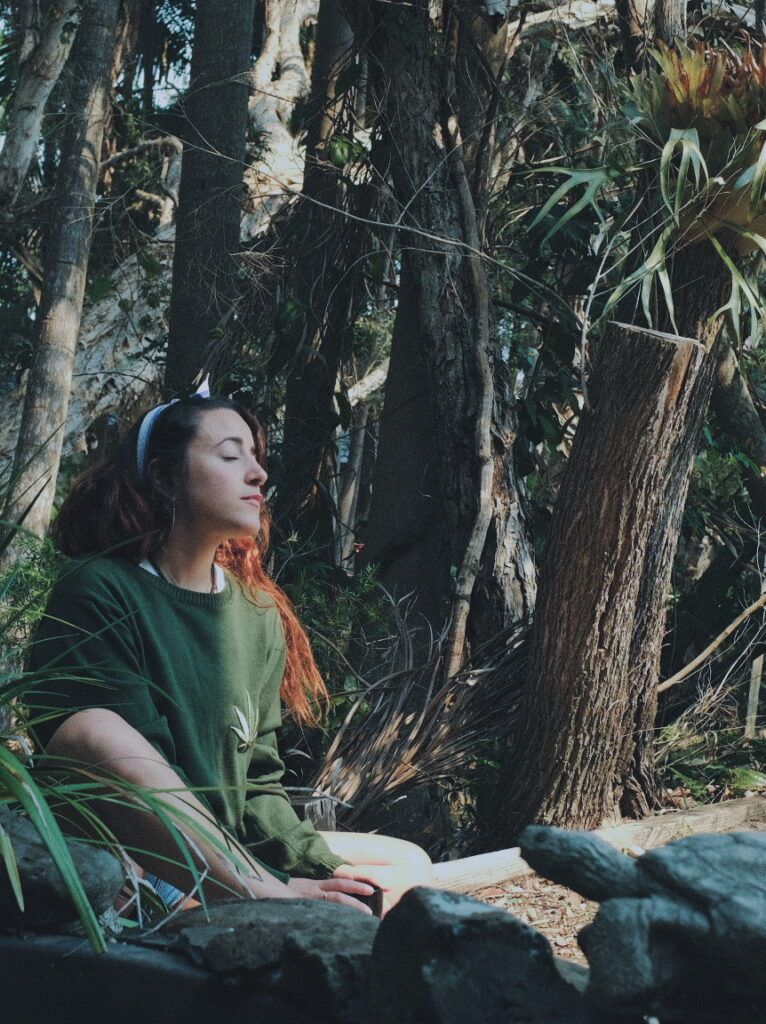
<point>15,777</point>
<point>149,263</point>
<point>746,779</point>
<point>687,139</point>
<point>759,179</point>
<point>99,287</point>
<point>655,263</point>
<point>738,280</point>
<point>9,857</point>
<point>594,179</point>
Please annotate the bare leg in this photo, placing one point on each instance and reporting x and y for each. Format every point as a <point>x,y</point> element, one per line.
<point>98,738</point>
<point>394,865</point>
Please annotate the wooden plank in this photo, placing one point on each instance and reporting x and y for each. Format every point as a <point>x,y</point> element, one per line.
<point>471,873</point>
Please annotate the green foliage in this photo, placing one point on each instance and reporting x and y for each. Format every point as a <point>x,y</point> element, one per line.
<point>335,610</point>
<point>714,765</point>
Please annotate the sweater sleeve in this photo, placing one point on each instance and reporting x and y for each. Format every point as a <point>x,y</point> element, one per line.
<point>87,653</point>
<point>273,831</point>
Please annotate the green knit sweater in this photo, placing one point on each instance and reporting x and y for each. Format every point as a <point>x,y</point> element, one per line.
<point>198,675</point>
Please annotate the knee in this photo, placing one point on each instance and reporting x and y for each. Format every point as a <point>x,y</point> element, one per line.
<point>87,735</point>
<point>415,859</point>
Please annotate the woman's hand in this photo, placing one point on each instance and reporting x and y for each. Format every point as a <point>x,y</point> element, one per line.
<point>333,890</point>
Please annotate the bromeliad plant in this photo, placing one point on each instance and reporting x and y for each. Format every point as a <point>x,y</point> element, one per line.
<point>703,111</point>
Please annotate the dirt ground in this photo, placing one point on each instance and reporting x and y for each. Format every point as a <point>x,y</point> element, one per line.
<point>554,910</point>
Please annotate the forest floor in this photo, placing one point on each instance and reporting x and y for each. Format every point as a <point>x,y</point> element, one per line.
<point>554,910</point>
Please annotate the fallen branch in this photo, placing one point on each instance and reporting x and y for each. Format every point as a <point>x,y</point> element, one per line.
<point>711,647</point>
<point>472,873</point>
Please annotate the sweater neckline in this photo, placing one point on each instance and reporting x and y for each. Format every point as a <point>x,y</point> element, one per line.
<point>180,594</point>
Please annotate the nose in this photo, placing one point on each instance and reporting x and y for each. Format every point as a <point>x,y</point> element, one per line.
<point>257,474</point>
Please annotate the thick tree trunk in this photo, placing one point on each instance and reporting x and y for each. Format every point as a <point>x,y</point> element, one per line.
<point>441,202</point>
<point>211,192</point>
<point>46,401</point>
<point>583,746</point>
<point>40,70</point>
<point>577,735</point>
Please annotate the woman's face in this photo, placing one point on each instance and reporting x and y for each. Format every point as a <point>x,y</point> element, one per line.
<point>220,491</point>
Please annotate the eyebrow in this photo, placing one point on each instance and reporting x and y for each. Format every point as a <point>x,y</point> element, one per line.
<point>236,440</point>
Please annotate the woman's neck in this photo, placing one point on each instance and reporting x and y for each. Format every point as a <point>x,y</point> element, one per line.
<point>187,561</point>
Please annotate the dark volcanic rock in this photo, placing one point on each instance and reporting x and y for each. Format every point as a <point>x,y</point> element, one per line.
<point>48,905</point>
<point>681,930</point>
<point>310,953</point>
<point>441,958</point>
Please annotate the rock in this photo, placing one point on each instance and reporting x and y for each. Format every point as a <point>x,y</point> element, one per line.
<point>47,977</point>
<point>47,903</point>
<point>308,953</point>
<point>442,958</point>
<point>680,934</point>
<point>581,861</point>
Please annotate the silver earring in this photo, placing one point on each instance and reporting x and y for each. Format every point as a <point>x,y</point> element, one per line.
<point>173,516</point>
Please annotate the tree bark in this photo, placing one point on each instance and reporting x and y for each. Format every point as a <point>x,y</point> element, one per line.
<point>46,401</point>
<point>40,70</point>
<point>669,21</point>
<point>577,734</point>
<point>406,537</point>
<point>583,746</point>
<point>211,192</point>
<point>438,186</point>
<point>326,250</point>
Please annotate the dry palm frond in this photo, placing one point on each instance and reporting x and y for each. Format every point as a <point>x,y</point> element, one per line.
<point>395,749</point>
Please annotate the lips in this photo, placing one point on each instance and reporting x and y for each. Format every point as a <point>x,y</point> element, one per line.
<point>256,499</point>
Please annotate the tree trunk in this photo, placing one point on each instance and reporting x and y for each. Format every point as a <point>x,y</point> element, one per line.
<point>46,401</point>
<point>40,71</point>
<point>669,21</point>
<point>406,536</point>
<point>439,185</point>
<point>211,193</point>
<point>583,746</point>
<point>326,247</point>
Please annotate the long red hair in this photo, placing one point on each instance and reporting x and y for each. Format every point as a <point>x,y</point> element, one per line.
<point>114,510</point>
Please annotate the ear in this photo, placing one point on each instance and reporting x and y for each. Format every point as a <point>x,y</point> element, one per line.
<point>159,479</point>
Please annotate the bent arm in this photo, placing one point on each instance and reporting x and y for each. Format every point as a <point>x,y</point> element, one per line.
<point>98,738</point>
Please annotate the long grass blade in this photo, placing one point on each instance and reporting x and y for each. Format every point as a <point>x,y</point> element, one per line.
<point>15,777</point>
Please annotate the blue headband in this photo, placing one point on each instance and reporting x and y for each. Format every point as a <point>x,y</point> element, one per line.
<point>148,422</point>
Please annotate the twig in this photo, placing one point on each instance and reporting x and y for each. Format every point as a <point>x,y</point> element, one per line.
<point>169,142</point>
<point>711,647</point>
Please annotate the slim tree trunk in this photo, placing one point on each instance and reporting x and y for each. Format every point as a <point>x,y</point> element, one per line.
<point>212,191</point>
<point>438,137</point>
<point>326,248</point>
<point>38,451</point>
<point>407,536</point>
<point>669,21</point>
<point>40,70</point>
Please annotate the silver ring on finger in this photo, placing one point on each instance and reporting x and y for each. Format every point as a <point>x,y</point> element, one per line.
<point>325,897</point>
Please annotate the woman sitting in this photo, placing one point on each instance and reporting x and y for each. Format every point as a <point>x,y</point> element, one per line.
<point>166,649</point>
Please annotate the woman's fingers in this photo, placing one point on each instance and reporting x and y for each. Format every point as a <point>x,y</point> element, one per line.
<point>380,876</point>
<point>350,885</point>
<point>347,901</point>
